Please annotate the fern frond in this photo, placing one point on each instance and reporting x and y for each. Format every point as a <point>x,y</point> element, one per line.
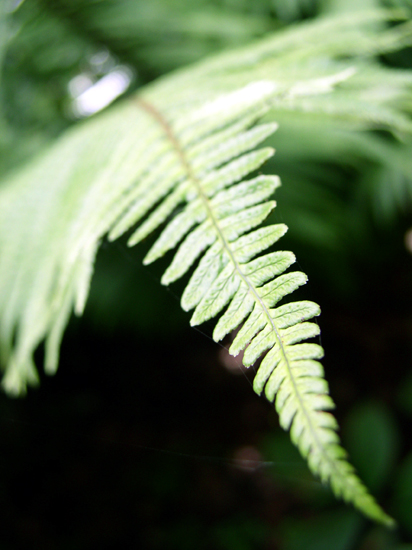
<point>219,221</point>
<point>176,156</point>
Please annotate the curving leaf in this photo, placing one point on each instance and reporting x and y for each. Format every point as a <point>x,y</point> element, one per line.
<point>176,156</point>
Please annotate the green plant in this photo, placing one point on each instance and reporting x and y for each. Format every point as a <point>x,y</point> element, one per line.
<point>199,126</point>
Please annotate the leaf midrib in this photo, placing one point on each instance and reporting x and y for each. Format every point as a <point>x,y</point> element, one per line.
<point>160,119</point>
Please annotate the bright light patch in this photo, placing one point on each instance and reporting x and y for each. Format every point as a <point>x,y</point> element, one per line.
<point>321,85</point>
<point>80,84</point>
<point>97,96</point>
<point>250,94</point>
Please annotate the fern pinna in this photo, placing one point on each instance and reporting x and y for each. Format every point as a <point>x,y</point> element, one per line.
<point>178,156</point>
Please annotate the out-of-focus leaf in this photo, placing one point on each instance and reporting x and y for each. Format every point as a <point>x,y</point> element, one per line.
<point>335,530</point>
<point>372,439</point>
<point>403,495</point>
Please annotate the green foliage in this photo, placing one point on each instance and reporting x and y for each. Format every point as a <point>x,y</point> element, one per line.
<point>373,443</point>
<point>175,156</point>
<point>403,492</point>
